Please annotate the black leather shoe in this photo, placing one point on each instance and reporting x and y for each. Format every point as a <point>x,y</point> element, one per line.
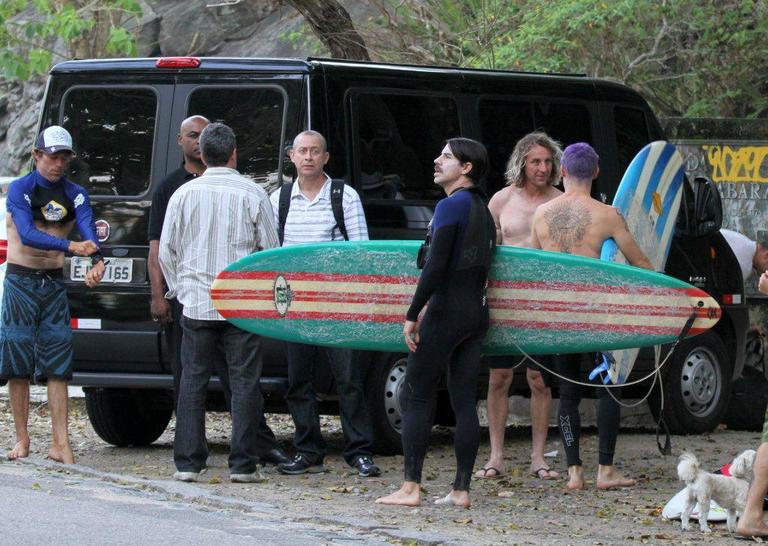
<point>366,467</point>
<point>275,456</point>
<point>300,465</point>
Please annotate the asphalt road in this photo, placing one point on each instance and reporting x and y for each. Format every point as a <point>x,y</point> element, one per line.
<point>45,504</point>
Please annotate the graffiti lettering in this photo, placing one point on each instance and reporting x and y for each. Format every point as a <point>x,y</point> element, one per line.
<point>738,164</point>
<point>743,191</point>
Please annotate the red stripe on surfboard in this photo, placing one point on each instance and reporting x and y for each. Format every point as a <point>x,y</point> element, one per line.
<point>607,328</point>
<point>520,324</point>
<point>312,315</point>
<point>267,295</point>
<point>320,277</point>
<point>549,286</point>
<point>314,297</point>
<point>596,308</point>
<point>546,286</point>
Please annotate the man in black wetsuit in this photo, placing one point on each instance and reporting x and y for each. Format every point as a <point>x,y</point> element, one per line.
<point>451,333</point>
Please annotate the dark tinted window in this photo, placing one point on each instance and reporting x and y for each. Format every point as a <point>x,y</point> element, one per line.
<point>113,132</point>
<point>566,123</point>
<point>397,137</point>
<point>256,115</point>
<point>503,123</point>
<point>631,134</point>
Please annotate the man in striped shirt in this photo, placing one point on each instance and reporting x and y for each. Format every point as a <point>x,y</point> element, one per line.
<point>310,219</point>
<point>210,222</point>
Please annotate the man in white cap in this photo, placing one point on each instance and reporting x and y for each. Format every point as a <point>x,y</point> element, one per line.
<point>36,338</point>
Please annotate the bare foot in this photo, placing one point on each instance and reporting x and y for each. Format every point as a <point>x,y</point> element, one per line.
<point>749,529</point>
<point>492,469</point>
<point>408,495</point>
<point>609,478</point>
<point>575,478</point>
<point>19,451</point>
<point>62,455</point>
<point>456,498</point>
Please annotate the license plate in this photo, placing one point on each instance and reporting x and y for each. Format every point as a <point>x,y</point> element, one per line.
<point>117,270</point>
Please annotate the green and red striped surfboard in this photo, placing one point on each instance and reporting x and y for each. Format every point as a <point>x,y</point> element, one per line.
<point>355,294</point>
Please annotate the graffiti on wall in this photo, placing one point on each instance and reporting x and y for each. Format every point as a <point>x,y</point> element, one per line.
<point>740,171</point>
<point>732,164</point>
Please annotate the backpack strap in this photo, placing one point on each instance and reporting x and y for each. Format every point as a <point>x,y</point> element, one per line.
<point>337,205</point>
<point>284,204</point>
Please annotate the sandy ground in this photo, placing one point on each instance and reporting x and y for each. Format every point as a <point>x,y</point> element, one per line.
<point>517,509</point>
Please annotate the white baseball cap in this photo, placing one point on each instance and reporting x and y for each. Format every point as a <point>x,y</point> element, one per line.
<point>54,139</point>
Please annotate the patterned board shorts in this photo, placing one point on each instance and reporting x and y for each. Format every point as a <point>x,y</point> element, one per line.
<point>36,336</point>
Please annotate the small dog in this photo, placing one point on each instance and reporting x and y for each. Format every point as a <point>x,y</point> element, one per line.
<point>730,492</point>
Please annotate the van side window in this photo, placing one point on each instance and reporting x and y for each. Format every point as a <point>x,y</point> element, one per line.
<point>631,134</point>
<point>394,135</point>
<point>113,131</point>
<point>503,123</point>
<point>566,123</point>
<point>256,115</point>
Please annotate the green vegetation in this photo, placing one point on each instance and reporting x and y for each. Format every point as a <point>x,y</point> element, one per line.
<point>688,58</point>
<point>35,34</point>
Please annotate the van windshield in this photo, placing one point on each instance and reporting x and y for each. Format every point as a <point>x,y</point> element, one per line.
<point>113,130</point>
<point>256,115</point>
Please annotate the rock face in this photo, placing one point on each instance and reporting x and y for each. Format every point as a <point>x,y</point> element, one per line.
<point>250,28</point>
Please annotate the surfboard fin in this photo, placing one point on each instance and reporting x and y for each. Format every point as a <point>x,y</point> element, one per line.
<point>603,366</point>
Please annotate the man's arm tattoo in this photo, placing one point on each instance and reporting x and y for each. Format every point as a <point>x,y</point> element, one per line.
<point>567,223</point>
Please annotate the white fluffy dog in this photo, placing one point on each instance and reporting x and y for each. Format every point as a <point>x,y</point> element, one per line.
<point>730,492</point>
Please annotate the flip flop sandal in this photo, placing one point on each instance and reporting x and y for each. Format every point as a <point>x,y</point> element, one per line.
<point>547,474</point>
<point>485,476</point>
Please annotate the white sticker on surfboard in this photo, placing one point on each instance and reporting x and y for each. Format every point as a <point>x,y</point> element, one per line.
<point>648,198</point>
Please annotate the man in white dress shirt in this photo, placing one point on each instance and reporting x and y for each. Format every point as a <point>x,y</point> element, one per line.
<point>310,218</point>
<point>212,221</point>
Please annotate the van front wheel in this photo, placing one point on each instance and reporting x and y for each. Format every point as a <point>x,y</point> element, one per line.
<point>123,417</point>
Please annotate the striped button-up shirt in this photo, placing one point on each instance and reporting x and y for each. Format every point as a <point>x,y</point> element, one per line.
<point>312,221</point>
<point>212,221</point>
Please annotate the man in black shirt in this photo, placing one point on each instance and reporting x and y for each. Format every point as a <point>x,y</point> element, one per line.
<point>168,312</point>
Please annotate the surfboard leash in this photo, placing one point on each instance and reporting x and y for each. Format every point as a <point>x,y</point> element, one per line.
<point>602,369</point>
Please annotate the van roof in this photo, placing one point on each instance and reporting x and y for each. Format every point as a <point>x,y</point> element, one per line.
<point>281,64</point>
<point>309,65</point>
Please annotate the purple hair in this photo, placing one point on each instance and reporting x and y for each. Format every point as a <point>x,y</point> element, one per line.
<point>580,161</point>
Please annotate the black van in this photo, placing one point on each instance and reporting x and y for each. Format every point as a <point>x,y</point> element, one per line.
<point>384,124</point>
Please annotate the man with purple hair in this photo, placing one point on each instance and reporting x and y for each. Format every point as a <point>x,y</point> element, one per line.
<point>575,223</point>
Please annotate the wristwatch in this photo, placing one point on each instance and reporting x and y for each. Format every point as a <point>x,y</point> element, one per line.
<point>96,258</point>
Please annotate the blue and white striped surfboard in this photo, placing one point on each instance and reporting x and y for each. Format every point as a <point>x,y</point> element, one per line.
<point>649,198</point>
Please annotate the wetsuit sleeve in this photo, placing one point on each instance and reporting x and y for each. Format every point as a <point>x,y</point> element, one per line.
<point>83,213</point>
<point>20,210</point>
<point>445,228</point>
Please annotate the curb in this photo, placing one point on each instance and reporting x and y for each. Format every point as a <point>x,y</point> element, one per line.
<point>199,495</point>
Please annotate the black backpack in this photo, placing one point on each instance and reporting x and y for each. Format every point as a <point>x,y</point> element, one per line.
<point>337,205</point>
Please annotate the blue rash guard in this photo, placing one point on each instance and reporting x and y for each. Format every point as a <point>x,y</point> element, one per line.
<point>33,198</point>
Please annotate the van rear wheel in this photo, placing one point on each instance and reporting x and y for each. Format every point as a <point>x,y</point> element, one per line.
<point>383,394</point>
<point>697,386</point>
<point>123,417</point>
